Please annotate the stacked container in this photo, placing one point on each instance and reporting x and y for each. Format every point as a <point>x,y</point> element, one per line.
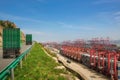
<point>11,42</point>
<point>28,39</point>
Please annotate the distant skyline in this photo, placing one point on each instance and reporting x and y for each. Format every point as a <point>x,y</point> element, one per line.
<point>59,20</point>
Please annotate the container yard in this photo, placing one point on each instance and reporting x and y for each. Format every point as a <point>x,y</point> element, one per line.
<point>60,40</point>
<point>97,54</point>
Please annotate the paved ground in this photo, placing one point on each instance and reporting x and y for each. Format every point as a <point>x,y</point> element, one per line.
<point>5,62</point>
<point>85,72</point>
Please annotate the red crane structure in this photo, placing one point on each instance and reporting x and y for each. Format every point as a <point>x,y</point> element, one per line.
<point>98,54</point>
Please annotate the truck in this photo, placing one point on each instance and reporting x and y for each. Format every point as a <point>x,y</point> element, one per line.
<point>11,42</point>
<point>28,39</point>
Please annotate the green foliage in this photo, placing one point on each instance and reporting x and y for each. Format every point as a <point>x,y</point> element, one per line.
<point>39,66</point>
<point>1,23</point>
<point>0,34</point>
<point>7,24</point>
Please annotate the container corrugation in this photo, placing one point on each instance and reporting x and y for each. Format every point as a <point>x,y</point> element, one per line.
<point>11,42</point>
<point>28,39</point>
<point>21,42</point>
<point>11,38</point>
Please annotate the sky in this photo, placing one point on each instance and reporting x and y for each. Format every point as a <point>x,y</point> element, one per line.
<point>59,20</point>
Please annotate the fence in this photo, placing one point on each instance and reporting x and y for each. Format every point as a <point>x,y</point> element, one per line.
<point>9,70</point>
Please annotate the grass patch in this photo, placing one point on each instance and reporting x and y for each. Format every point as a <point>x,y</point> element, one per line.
<point>39,66</point>
<point>52,54</point>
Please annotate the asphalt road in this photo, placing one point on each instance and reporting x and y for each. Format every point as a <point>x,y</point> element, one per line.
<point>5,62</point>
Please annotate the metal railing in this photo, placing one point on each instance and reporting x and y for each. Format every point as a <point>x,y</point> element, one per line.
<point>9,70</point>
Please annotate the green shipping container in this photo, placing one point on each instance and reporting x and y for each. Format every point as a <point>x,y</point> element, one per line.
<point>28,39</point>
<point>11,41</point>
<point>11,38</point>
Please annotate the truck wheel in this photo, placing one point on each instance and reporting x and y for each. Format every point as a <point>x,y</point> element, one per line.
<point>5,55</point>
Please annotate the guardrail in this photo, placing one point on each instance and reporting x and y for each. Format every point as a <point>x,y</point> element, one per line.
<point>9,70</point>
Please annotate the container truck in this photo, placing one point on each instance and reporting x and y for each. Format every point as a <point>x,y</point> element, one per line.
<point>11,42</point>
<point>28,39</point>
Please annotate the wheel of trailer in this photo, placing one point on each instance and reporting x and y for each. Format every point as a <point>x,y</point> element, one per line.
<point>5,55</point>
<point>17,53</point>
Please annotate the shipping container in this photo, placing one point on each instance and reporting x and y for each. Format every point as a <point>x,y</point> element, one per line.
<point>11,42</point>
<point>28,39</point>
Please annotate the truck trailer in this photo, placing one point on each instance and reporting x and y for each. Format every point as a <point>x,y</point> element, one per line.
<point>28,39</point>
<point>11,42</point>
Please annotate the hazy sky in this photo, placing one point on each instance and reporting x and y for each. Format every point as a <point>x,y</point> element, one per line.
<point>58,20</point>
